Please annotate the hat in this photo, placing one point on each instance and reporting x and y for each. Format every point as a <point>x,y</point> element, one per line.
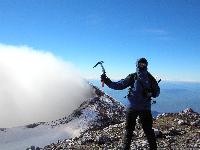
<point>142,60</point>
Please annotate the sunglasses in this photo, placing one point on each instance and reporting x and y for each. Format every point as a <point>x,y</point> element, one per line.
<point>142,64</point>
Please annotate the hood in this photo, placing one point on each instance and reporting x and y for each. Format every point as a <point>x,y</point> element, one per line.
<point>141,60</point>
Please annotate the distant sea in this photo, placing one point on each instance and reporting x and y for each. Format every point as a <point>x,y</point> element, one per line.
<point>174,96</point>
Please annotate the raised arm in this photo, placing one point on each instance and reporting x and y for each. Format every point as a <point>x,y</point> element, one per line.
<point>119,85</point>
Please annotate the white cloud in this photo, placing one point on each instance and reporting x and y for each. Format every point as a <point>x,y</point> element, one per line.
<point>37,86</point>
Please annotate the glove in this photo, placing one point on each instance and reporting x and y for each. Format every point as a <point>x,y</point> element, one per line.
<point>105,79</point>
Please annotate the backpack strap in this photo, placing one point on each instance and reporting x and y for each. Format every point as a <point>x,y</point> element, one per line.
<point>135,76</point>
<point>152,79</point>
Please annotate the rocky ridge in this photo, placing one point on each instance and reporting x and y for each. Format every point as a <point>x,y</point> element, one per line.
<point>105,121</point>
<point>169,132</point>
<point>173,130</point>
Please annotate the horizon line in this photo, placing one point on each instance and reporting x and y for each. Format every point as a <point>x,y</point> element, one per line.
<point>186,81</point>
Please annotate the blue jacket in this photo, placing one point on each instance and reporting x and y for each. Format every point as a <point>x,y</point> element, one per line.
<point>137,100</point>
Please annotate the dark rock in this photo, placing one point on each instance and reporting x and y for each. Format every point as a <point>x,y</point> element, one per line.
<point>158,133</point>
<point>173,130</point>
<point>188,110</point>
<point>182,122</point>
<point>2,129</point>
<point>102,139</point>
<point>33,125</point>
<point>195,123</point>
<point>32,147</point>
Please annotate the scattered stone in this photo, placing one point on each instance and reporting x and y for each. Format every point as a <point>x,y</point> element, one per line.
<point>3,129</point>
<point>181,122</point>
<point>158,133</point>
<point>195,123</point>
<point>169,130</point>
<point>31,148</point>
<point>188,110</point>
<point>102,139</point>
<point>172,130</point>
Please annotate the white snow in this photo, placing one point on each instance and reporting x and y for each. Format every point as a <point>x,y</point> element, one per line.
<point>181,122</point>
<point>20,138</point>
<point>108,101</point>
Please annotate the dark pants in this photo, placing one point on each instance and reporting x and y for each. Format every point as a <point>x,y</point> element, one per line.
<point>146,120</point>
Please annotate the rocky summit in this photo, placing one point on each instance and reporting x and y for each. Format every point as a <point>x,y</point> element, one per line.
<point>173,130</point>
<point>170,133</point>
<point>102,122</point>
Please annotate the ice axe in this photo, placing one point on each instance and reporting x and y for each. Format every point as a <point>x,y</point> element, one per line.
<point>103,70</point>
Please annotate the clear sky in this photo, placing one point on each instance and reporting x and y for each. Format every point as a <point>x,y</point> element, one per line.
<point>166,32</point>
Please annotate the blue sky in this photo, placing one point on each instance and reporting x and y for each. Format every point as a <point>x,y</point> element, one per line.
<point>166,32</point>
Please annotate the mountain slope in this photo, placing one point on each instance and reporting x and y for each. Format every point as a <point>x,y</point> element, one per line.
<point>173,131</point>
<point>99,124</point>
<point>97,112</point>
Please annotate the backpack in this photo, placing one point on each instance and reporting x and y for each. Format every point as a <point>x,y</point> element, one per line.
<point>154,89</point>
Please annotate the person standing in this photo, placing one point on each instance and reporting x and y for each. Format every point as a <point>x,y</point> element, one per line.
<point>143,86</point>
